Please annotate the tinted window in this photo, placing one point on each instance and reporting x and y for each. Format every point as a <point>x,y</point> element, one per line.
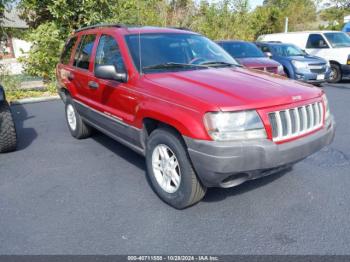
<point>287,50</point>
<point>163,48</point>
<point>83,55</point>
<point>338,39</point>
<point>67,51</point>
<point>241,50</point>
<point>108,53</point>
<point>316,41</point>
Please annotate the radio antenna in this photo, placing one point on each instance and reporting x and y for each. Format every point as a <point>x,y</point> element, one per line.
<point>139,38</point>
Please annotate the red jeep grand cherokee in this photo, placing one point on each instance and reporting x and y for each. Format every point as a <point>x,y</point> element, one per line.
<point>180,100</point>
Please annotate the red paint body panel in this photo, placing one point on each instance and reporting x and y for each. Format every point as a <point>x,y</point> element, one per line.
<point>181,99</point>
<point>260,63</point>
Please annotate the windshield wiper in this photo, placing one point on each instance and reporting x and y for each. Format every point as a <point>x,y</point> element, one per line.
<point>219,63</point>
<point>173,65</point>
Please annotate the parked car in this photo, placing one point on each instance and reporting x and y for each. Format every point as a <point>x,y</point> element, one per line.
<point>297,63</point>
<point>332,46</point>
<point>8,137</point>
<point>250,56</point>
<point>180,100</point>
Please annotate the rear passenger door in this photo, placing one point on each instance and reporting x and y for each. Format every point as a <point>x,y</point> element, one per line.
<point>82,75</point>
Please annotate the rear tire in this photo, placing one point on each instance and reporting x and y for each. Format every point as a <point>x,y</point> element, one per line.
<point>8,136</point>
<point>77,127</point>
<point>336,74</point>
<point>184,189</point>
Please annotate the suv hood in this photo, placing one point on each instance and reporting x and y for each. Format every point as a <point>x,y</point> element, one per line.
<point>308,59</point>
<point>233,88</point>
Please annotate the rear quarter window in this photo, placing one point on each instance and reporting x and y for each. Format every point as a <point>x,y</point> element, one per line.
<point>67,50</point>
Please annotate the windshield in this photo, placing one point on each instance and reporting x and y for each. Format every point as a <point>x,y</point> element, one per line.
<point>242,49</point>
<point>174,52</point>
<point>287,50</point>
<point>338,39</point>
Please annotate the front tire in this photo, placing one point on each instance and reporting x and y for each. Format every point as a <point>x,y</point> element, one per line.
<point>336,74</point>
<point>8,136</point>
<point>170,170</point>
<point>77,127</point>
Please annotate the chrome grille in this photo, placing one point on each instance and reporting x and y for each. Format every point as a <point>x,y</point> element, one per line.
<point>289,123</point>
<point>318,68</point>
<point>267,69</point>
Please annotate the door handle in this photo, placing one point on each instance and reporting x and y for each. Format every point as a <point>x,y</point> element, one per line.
<point>93,85</point>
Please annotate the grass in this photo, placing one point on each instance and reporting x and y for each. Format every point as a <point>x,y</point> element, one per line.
<point>12,85</point>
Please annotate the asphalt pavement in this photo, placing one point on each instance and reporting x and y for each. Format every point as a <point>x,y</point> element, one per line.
<point>59,195</point>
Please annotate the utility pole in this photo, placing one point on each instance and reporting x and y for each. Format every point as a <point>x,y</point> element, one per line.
<point>286,25</point>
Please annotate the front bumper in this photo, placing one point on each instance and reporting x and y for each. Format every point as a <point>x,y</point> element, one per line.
<point>226,164</point>
<point>345,70</point>
<point>311,78</point>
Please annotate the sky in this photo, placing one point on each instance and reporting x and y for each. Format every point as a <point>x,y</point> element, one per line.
<point>254,3</point>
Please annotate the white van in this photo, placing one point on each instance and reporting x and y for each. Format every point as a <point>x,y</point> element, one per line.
<point>333,46</point>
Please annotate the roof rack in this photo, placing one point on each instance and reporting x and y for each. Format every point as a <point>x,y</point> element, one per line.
<point>100,25</point>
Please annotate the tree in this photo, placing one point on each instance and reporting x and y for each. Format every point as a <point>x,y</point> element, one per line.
<point>334,13</point>
<point>300,13</point>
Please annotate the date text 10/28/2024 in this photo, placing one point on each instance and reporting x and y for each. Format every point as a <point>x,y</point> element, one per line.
<point>173,258</point>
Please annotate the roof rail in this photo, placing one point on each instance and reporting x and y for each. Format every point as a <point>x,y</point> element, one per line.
<point>100,25</point>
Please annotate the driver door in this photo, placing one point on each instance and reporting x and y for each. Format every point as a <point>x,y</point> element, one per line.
<point>116,100</point>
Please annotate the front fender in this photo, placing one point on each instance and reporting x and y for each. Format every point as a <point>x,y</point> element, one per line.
<point>186,121</point>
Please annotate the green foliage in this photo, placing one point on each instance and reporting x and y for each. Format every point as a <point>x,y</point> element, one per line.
<point>47,42</point>
<point>335,14</point>
<point>51,21</point>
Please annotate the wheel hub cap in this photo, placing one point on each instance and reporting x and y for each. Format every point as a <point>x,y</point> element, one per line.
<point>166,168</point>
<point>72,121</point>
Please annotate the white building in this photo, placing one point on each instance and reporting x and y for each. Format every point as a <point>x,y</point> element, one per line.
<point>12,47</point>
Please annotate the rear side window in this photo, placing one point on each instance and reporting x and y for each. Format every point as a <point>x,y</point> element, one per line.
<point>316,41</point>
<point>108,53</point>
<point>83,53</point>
<point>67,51</point>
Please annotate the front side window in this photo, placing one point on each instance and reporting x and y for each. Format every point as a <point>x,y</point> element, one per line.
<point>108,53</point>
<point>67,51</point>
<point>175,52</point>
<point>316,41</point>
<point>242,50</point>
<point>83,54</point>
<point>338,39</point>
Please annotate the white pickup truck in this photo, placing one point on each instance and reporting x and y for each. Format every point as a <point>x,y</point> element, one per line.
<point>333,46</point>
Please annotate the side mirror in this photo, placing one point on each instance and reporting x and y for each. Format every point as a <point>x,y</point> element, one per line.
<point>268,54</point>
<point>110,72</point>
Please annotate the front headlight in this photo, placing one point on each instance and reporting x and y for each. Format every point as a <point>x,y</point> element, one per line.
<point>326,105</point>
<point>300,65</point>
<point>224,126</point>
